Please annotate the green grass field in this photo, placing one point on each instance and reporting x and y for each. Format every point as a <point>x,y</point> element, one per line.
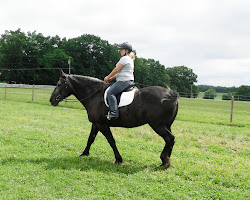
<point>40,145</point>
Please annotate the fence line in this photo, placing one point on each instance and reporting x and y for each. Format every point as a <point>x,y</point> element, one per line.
<point>213,109</point>
<point>32,94</point>
<point>182,94</point>
<point>27,86</point>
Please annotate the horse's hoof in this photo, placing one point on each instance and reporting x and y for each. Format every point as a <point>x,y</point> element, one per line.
<point>166,165</point>
<point>118,161</point>
<point>84,154</point>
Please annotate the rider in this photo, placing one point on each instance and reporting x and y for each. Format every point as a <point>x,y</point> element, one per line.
<point>124,74</point>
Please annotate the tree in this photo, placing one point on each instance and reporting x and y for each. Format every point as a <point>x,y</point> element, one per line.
<point>150,72</point>
<point>32,51</point>
<point>44,53</point>
<point>141,72</point>
<point>181,79</point>
<point>209,94</point>
<point>91,55</point>
<point>12,48</point>
<point>203,88</point>
<point>243,93</point>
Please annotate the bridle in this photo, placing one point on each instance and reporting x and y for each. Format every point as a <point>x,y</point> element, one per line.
<point>59,96</point>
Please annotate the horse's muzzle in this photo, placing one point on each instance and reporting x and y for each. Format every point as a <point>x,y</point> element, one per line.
<point>54,100</point>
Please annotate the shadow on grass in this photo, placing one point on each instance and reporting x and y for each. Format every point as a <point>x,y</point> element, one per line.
<point>89,163</point>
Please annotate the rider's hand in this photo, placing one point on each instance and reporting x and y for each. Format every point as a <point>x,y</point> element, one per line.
<point>106,79</point>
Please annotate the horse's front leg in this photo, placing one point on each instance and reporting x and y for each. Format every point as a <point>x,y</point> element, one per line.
<point>92,136</point>
<point>108,134</point>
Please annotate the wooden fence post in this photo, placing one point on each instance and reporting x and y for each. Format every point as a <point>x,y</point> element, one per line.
<point>5,91</point>
<point>33,92</point>
<point>232,107</point>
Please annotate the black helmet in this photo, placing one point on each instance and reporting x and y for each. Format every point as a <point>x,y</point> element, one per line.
<point>126,45</point>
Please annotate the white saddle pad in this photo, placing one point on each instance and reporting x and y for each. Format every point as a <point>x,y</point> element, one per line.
<point>126,97</point>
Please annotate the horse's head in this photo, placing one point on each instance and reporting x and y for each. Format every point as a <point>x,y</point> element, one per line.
<point>61,91</point>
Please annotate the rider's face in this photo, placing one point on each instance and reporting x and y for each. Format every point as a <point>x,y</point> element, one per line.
<point>123,51</point>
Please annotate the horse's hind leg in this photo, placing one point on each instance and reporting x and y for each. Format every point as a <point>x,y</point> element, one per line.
<point>92,136</point>
<point>168,137</point>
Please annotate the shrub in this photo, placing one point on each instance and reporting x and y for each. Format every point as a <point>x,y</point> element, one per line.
<point>227,96</point>
<point>209,94</point>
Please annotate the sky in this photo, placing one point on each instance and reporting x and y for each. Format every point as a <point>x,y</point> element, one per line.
<point>212,37</point>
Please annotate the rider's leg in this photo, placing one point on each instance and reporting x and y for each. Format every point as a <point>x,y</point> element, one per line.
<point>115,89</point>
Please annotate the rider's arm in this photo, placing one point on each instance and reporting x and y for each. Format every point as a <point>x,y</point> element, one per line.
<point>113,73</point>
<point>113,77</point>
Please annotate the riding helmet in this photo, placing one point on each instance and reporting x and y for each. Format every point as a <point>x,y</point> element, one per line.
<point>126,45</point>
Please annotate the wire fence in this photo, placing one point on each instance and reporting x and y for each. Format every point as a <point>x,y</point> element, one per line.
<point>182,94</point>
<point>209,108</point>
<point>198,95</point>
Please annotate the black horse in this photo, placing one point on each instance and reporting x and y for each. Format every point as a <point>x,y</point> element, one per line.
<point>156,106</point>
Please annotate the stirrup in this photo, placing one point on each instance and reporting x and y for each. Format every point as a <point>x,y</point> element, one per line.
<point>110,116</point>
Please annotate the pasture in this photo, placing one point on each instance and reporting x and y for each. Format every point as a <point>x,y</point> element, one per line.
<point>40,145</point>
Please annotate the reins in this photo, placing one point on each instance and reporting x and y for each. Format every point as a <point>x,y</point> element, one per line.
<point>87,96</point>
<point>92,93</point>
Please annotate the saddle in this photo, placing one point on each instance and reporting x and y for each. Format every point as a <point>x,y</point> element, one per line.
<point>124,98</point>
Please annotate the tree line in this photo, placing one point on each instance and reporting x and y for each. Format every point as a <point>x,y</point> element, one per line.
<point>32,58</point>
<point>221,89</point>
<point>241,94</point>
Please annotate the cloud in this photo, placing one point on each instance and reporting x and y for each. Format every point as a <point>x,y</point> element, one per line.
<point>211,37</point>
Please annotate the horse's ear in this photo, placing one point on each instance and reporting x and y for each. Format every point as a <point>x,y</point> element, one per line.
<point>63,75</point>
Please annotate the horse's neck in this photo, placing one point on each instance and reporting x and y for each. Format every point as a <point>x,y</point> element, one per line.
<point>85,89</point>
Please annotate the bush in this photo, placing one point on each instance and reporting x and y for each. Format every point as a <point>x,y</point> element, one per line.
<point>227,96</point>
<point>209,94</point>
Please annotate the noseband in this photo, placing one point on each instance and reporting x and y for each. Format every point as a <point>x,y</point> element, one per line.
<point>58,97</point>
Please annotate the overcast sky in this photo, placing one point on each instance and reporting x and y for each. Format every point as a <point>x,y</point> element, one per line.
<point>210,36</point>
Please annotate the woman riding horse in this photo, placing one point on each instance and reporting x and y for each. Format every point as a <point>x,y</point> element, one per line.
<point>124,74</point>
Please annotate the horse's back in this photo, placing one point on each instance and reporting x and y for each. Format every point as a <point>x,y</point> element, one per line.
<point>150,104</point>
<point>156,94</point>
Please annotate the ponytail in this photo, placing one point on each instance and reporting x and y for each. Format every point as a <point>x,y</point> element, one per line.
<point>132,55</point>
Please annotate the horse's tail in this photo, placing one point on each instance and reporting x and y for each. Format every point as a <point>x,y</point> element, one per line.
<point>170,105</point>
<point>170,95</point>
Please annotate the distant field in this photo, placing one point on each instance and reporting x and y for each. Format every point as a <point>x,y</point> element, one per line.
<point>40,145</point>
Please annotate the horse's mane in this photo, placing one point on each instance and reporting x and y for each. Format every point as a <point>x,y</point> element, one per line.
<point>85,80</point>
